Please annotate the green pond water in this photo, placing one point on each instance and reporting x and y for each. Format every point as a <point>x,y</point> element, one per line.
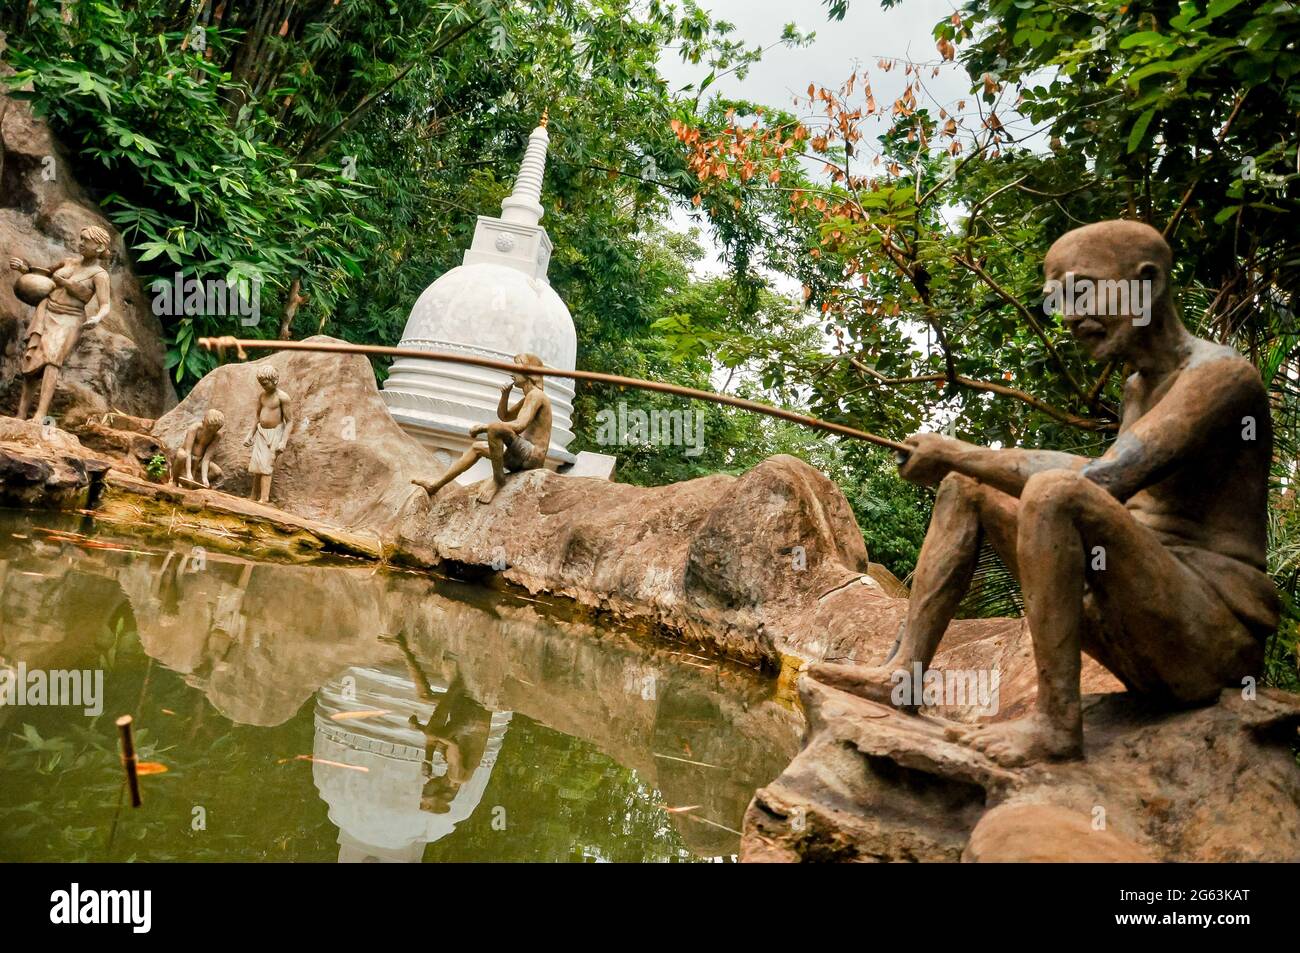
<point>343,713</point>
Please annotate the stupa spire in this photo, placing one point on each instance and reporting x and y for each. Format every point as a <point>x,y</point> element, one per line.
<point>524,206</point>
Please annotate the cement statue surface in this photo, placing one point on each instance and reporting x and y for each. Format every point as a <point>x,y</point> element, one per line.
<point>197,447</point>
<point>270,434</point>
<point>1150,558</point>
<point>519,440</point>
<point>60,296</point>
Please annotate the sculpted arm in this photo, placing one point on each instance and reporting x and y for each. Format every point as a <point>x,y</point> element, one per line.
<point>934,456</point>
<point>103,294</point>
<point>187,448</point>
<point>1205,403</point>
<point>504,411</point>
<point>257,419</point>
<point>286,420</point>
<point>1010,469</point>
<point>526,411</point>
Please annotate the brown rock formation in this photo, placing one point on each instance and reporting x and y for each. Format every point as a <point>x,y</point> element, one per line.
<point>764,567</point>
<point>43,467</point>
<point>118,365</point>
<point>1218,783</point>
<point>347,462</point>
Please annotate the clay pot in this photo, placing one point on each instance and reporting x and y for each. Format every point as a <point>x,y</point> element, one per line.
<point>34,286</point>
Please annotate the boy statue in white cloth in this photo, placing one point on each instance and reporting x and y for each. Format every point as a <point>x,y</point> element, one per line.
<point>270,432</point>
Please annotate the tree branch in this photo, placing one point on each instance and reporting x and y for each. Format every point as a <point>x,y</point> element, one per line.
<point>1027,315</point>
<point>1065,417</point>
<point>313,152</point>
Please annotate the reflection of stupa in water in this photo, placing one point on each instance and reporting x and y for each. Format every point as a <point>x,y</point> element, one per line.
<point>428,759</point>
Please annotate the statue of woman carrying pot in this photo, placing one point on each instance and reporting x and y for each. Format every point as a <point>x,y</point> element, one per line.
<point>61,297</point>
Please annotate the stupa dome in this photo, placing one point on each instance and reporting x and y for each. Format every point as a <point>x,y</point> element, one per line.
<point>496,304</point>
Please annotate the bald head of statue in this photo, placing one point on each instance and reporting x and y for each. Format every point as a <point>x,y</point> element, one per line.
<point>1109,282</point>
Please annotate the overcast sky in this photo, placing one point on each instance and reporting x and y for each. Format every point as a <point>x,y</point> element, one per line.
<point>867,34</point>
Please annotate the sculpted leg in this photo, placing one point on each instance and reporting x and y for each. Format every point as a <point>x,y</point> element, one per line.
<point>965,511</point>
<point>1051,553</point>
<point>467,460</point>
<point>1148,617</point>
<point>497,436</point>
<point>25,398</point>
<point>49,381</point>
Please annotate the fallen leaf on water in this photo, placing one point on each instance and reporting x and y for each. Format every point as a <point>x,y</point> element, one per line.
<point>670,757</point>
<point>680,810</point>
<point>150,767</point>
<point>333,764</point>
<point>348,715</point>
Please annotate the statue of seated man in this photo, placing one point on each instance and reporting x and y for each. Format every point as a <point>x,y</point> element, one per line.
<point>198,447</point>
<point>517,441</point>
<point>1150,558</point>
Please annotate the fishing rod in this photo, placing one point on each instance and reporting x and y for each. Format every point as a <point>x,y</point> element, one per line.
<point>220,344</point>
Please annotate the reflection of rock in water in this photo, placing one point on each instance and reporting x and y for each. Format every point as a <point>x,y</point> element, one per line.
<point>259,641</point>
<point>414,791</point>
<point>52,614</point>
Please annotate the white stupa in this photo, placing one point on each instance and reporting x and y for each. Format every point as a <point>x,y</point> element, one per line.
<point>496,304</point>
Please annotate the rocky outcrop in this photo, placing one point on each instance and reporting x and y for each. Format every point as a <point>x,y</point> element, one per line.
<point>44,468</point>
<point>747,565</point>
<point>768,567</point>
<point>1218,783</point>
<point>347,462</point>
<point>118,365</point>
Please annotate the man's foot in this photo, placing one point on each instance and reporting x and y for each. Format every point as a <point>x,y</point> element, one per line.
<point>872,682</point>
<point>1023,741</point>
<point>488,492</point>
<point>430,488</point>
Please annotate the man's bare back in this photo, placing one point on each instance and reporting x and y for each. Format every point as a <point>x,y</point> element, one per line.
<point>1217,497</point>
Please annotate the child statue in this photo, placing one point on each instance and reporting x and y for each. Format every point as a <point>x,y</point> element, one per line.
<point>199,444</point>
<point>60,297</point>
<point>517,441</point>
<point>270,432</point>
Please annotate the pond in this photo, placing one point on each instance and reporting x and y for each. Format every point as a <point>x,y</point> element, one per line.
<point>345,712</point>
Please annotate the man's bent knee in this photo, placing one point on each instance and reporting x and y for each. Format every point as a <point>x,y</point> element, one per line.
<point>1057,489</point>
<point>958,484</point>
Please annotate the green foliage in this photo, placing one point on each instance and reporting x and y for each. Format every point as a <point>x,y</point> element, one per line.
<point>156,467</point>
<point>342,150</point>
